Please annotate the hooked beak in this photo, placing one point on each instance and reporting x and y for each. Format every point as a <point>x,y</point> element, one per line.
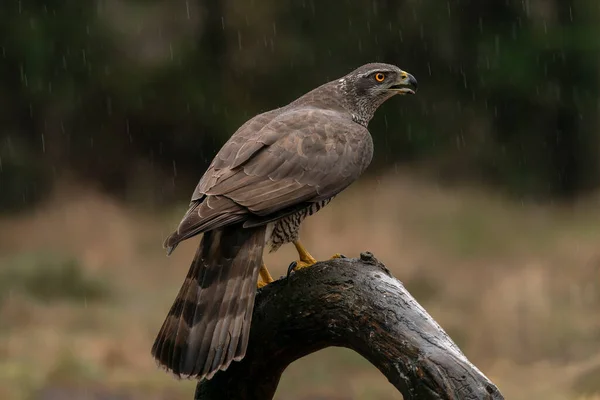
<point>406,84</point>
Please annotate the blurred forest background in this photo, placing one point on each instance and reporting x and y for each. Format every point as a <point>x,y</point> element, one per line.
<point>110,111</point>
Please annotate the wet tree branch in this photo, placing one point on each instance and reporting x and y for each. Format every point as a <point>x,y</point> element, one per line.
<point>357,304</point>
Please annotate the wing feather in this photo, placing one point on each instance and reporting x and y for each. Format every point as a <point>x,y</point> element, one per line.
<point>271,166</point>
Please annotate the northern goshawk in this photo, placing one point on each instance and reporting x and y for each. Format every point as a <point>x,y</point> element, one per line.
<point>277,168</point>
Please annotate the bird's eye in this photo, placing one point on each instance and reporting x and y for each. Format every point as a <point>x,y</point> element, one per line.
<point>379,77</point>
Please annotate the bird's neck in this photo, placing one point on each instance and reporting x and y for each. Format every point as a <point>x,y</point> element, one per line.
<point>361,108</point>
<point>334,95</point>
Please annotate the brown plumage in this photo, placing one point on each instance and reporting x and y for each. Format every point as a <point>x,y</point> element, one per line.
<point>276,169</point>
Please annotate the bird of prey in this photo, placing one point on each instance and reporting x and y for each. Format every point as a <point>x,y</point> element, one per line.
<point>278,168</point>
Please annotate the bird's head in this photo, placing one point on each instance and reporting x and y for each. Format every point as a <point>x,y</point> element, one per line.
<point>370,85</point>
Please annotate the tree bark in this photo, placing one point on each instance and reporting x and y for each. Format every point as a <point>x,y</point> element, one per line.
<point>357,304</point>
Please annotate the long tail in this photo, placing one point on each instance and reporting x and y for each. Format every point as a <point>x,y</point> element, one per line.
<point>209,322</point>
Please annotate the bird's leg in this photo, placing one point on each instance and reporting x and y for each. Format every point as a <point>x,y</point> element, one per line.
<point>306,260</point>
<point>265,277</point>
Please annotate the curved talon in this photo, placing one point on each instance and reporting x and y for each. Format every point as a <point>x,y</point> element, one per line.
<point>291,267</point>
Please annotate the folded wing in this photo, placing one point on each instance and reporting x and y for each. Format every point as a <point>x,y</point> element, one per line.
<point>298,157</point>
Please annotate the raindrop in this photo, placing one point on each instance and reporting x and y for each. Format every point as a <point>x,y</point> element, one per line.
<point>43,144</point>
<point>128,131</point>
<point>223,23</point>
<point>0,163</point>
<point>171,50</point>
<point>23,75</point>
<point>239,35</point>
<point>187,9</point>
<point>174,169</point>
<point>497,44</point>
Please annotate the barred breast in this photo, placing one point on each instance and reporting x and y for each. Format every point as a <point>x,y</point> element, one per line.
<point>286,229</point>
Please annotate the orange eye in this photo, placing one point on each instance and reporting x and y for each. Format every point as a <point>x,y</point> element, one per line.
<point>379,77</point>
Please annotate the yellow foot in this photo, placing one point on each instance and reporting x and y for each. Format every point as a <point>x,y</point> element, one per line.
<point>297,265</point>
<point>304,264</point>
<point>338,255</point>
<point>265,277</point>
<point>261,284</point>
<point>305,259</point>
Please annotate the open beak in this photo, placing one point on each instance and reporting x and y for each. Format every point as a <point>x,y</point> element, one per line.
<point>406,84</point>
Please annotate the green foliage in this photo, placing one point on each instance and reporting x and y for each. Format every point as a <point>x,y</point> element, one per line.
<point>508,89</point>
<point>46,277</point>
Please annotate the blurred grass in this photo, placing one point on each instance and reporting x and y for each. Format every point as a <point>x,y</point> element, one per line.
<point>516,285</point>
<point>48,277</point>
<point>588,383</point>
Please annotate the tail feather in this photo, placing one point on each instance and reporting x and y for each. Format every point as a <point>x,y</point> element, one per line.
<point>221,333</point>
<point>247,308</point>
<point>208,324</point>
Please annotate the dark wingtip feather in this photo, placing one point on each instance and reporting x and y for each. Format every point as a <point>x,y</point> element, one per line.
<point>170,250</point>
<point>171,242</point>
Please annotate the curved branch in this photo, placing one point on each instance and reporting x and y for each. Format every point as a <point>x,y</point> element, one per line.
<point>353,303</point>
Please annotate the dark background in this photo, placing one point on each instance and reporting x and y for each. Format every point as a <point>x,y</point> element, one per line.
<point>136,94</point>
